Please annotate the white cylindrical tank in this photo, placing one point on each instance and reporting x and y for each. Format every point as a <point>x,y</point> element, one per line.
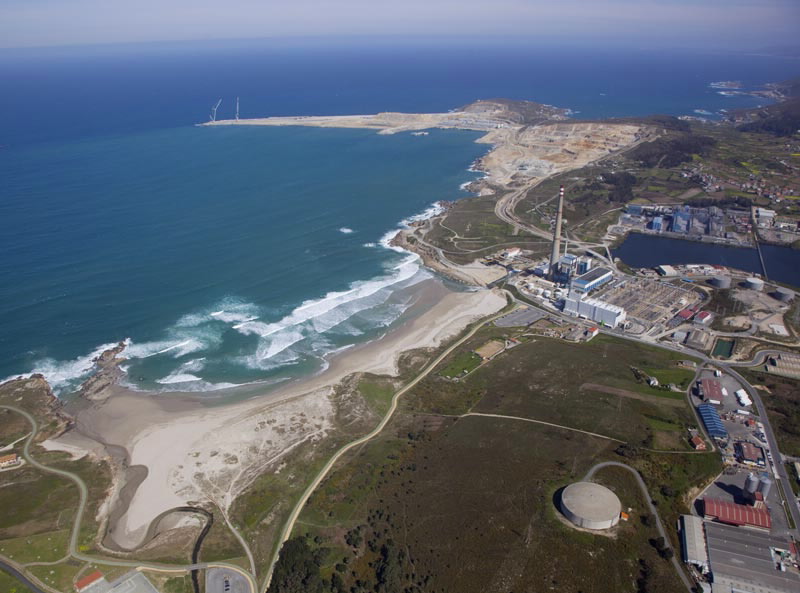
<point>764,486</point>
<point>590,505</point>
<point>754,283</point>
<point>751,484</point>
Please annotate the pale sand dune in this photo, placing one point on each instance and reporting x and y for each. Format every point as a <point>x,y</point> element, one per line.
<point>194,452</point>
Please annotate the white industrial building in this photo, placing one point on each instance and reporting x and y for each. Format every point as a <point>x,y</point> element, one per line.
<point>693,537</point>
<point>594,309</point>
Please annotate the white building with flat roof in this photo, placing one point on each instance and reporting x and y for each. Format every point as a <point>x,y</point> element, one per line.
<point>595,310</point>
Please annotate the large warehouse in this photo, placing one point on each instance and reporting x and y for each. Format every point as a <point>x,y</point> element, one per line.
<point>590,505</point>
<point>712,421</point>
<point>743,560</point>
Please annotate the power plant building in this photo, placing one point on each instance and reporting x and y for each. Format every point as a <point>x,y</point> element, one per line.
<point>592,279</point>
<point>595,310</point>
<point>590,505</point>
<point>657,224</point>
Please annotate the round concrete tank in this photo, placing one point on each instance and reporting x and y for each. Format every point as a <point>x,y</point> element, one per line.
<point>783,294</point>
<point>754,283</point>
<point>590,505</point>
<point>721,281</point>
<point>764,486</point>
<point>751,484</point>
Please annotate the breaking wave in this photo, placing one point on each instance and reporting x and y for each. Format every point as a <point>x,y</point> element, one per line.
<point>236,338</point>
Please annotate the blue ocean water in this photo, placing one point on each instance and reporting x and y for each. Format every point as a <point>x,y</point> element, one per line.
<point>228,255</point>
<point>224,254</point>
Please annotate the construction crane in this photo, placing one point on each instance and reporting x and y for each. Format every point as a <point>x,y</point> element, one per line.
<point>214,110</point>
<point>237,108</point>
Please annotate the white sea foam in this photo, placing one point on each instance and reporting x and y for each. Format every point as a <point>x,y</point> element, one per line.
<point>173,378</point>
<point>433,210</point>
<point>63,375</point>
<point>346,230</point>
<point>370,244</point>
<point>306,325</point>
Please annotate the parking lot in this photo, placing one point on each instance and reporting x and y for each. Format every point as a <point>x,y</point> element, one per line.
<point>522,317</point>
<point>224,580</point>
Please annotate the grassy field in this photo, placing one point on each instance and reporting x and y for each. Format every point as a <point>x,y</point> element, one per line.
<point>462,364</point>
<point>9,584</point>
<point>445,502</point>
<point>471,230</point>
<point>44,547</point>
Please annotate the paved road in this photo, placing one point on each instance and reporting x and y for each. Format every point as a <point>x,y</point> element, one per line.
<point>646,494</point>
<point>21,577</point>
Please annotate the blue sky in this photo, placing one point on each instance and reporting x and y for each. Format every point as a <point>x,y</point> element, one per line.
<point>722,23</point>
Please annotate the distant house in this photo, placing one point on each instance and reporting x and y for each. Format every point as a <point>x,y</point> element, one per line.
<point>697,443</point>
<point>92,582</point>
<point>749,454</point>
<point>10,460</point>
<point>704,317</point>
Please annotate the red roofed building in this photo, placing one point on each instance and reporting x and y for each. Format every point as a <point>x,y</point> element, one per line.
<point>712,389</point>
<point>686,314</point>
<point>736,514</point>
<point>698,443</point>
<point>89,580</point>
<point>703,317</point>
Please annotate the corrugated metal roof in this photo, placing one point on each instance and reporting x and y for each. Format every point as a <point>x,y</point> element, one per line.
<point>712,421</point>
<point>737,514</point>
<point>694,540</point>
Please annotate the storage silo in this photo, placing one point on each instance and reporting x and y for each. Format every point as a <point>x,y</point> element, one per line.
<point>590,505</point>
<point>764,485</point>
<point>721,281</point>
<point>783,294</point>
<point>754,283</point>
<point>751,485</point>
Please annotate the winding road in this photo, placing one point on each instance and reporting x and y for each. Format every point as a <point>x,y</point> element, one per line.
<point>76,527</point>
<point>659,525</point>
<point>289,525</point>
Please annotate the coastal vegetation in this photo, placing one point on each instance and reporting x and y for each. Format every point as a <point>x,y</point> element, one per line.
<point>398,514</point>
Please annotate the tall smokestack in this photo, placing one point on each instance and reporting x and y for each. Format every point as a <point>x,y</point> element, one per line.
<point>557,232</point>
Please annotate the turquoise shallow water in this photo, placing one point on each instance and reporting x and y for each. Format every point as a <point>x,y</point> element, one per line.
<point>225,255</point>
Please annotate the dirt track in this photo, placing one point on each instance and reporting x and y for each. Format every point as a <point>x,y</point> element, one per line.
<point>675,403</point>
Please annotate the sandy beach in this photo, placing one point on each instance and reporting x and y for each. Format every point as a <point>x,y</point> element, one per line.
<point>195,452</point>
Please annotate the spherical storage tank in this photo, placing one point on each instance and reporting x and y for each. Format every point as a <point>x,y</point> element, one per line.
<point>754,283</point>
<point>590,505</point>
